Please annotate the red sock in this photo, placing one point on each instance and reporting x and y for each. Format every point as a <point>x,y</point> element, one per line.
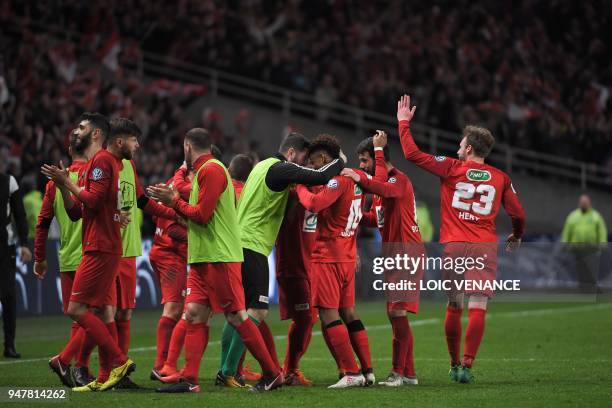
<point>400,328</point>
<point>164,332</point>
<point>196,340</point>
<point>240,369</point>
<point>473,335</point>
<point>298,338</point>
<point>409,367</point>
<point>95,328</point>
<point>72,347</point>
<point>268,338</point>
<point>254,342</point>
<point>87,346</point>
<point>340,346</point>
<point>330,347</point>
<point>360,343</point>
<point>74,328</point>
<point>103,355</point>
<point>176,343</point>
<point>452,328</point>
<point>123,335</point>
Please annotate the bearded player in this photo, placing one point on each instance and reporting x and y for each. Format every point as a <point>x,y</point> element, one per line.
<point>96,201</point>
<point>214,255</point>
<point>69,252</point>
<point>338,207</point>
<point>393,211</point>
<point>471,193</point>
<point>261,209</point>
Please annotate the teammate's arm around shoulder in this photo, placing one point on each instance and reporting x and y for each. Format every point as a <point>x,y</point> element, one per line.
<point>515,211</point>
<point>281,175</point>
<point>319,201</point>
<point>438,165</point>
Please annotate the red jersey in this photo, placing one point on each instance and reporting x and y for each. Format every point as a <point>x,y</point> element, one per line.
<point>170,235</point>
<point>393,208</point>
<point>470,194</point>
<point>338,208</point>
<point>238,186</point>
<point>296,239</point>
<point>47,212</point>
<point>100,204</point>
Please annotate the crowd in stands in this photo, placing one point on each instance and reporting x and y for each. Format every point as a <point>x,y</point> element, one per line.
<point>537,72</point>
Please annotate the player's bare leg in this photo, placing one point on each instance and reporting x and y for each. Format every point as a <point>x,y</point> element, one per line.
<point>477,308</point>
<point>359,341</point>
<point>339,344</point>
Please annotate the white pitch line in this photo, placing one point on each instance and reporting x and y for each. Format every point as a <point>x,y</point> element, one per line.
<point>415,323</point>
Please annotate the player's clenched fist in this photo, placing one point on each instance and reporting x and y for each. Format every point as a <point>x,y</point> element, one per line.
<point>40,269</point>
<point>379,139</point>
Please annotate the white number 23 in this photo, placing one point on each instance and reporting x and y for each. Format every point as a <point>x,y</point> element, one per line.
<point>465,191</point>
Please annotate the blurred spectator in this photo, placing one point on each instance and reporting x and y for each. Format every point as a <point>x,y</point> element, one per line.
<point>424,221</point>
<point>584,234</point>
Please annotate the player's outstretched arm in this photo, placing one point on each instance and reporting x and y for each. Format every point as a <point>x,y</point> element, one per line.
<point>315,202</point>
<point>149,206</point>
<point>45,217</point>
<point>438,165</point>
<point>282,174</point>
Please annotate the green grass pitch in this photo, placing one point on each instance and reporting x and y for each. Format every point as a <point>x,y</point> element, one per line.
<point>536,354</point>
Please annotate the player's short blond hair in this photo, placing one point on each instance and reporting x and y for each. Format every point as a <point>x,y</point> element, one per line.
<point>480,139</point>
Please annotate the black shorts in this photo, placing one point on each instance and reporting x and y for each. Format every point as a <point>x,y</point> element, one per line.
<point>255,279</point>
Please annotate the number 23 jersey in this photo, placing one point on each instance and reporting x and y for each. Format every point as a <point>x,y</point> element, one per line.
<point>471,195</point>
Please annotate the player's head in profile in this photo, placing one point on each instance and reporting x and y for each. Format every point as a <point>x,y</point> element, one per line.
<point>123,137</point>
<point>476,143</point>
<point>294,148</point>
<point>323,149</point>
<point>240,167</point>
<point>93,128</point>
<point>365,151</point>
<point>75,150</point>
<point>197,142</point>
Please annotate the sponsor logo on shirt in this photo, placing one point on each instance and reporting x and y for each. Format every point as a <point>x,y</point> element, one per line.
<point>332,183</point>
<point>392,180</point>
<point>440,158</point>
<point>127,196</point>
<point>358,190</point>
<point>310,222</point>
<point>97,174</point>
<point>478,175</point>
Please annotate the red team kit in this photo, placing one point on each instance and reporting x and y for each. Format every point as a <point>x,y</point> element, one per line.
<point>314,211</point>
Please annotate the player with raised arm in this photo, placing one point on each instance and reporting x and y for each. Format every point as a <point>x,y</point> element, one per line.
<point>96,201</point>
<point>471,194</point>
<point>214,255</point>
<point>261,209</point>
<point>393,211</point>
<point>334,261</point>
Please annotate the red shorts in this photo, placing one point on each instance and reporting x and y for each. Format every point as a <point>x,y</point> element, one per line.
<point>218,285</point>
<point>295,295</point>
<point>475,277</point>
<point>171,272</point>
<point>66,280</point>
<point>94,278</point>
<point>335,284</point>
<point>123,293</point>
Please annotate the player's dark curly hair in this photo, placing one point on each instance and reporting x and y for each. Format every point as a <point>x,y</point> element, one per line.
<point>328,143</point>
